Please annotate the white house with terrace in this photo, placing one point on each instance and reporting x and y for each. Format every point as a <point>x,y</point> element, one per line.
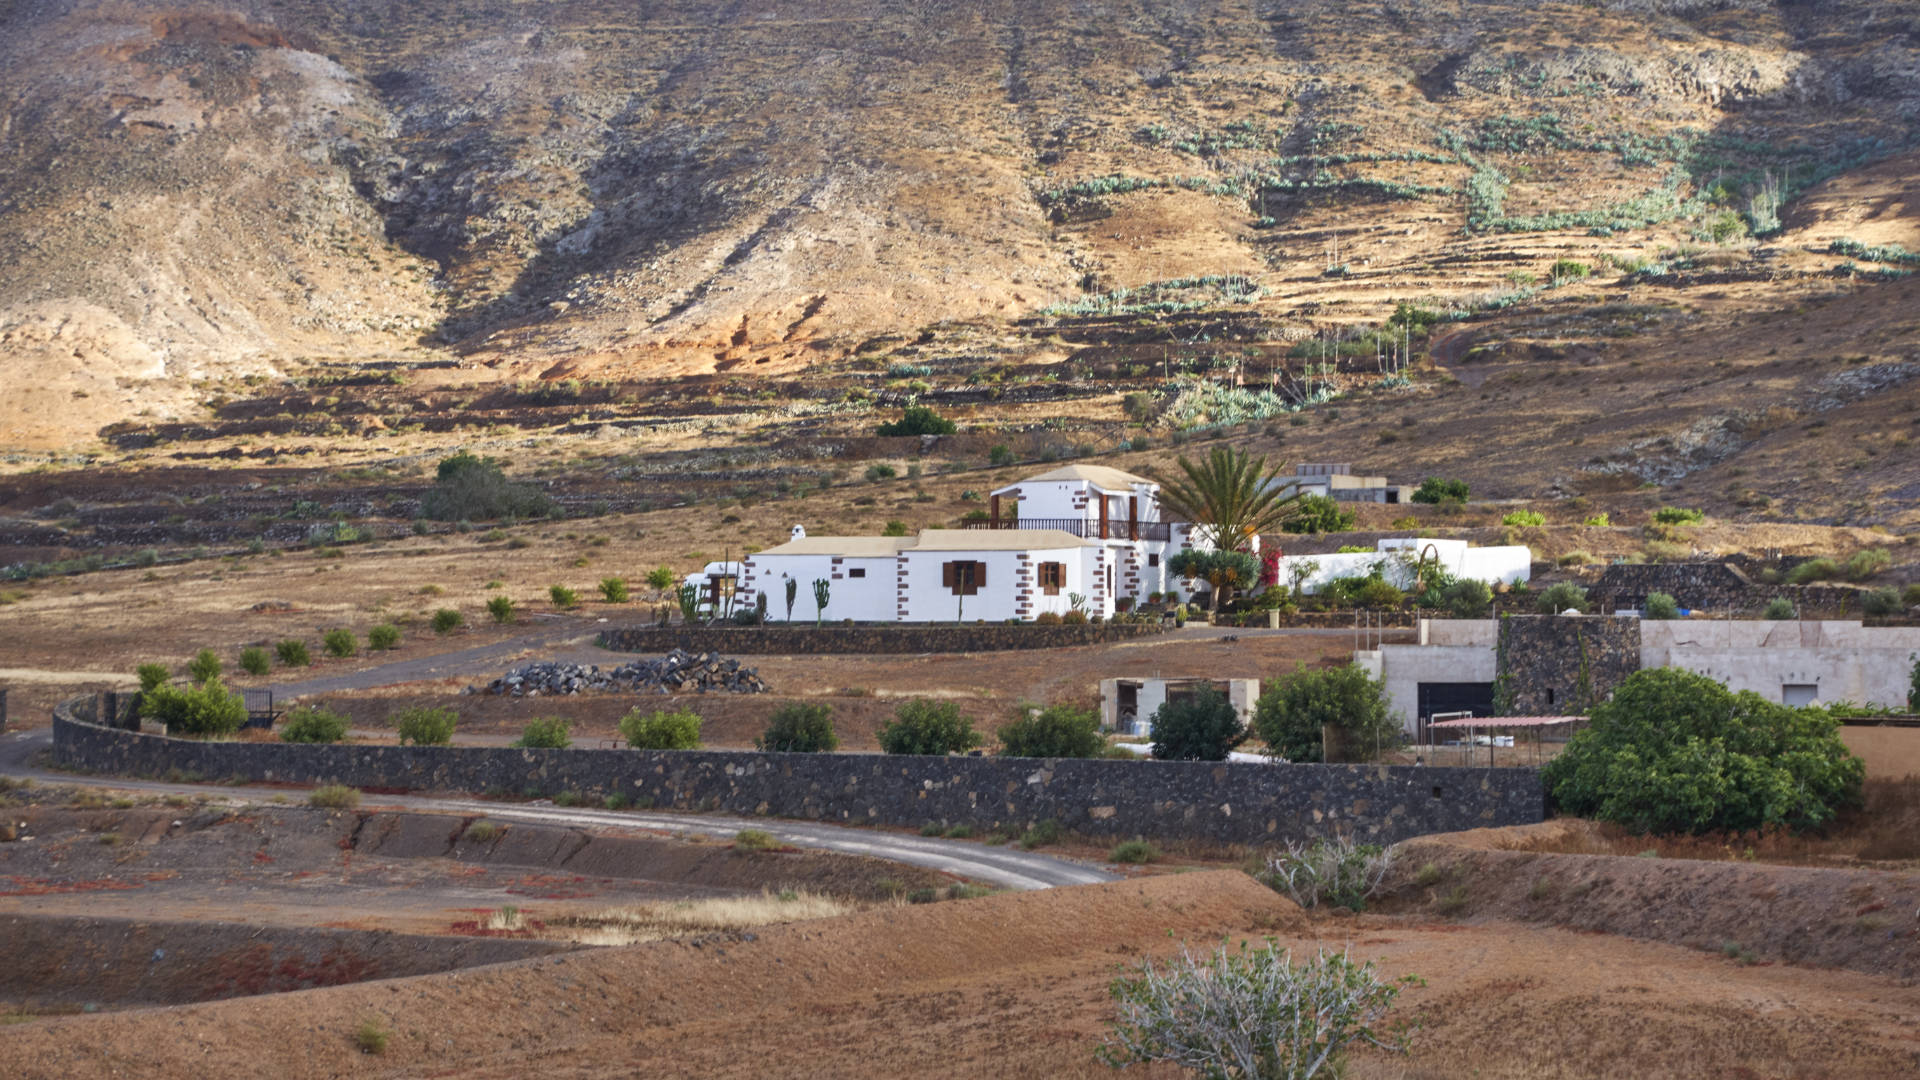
<point>1084,531</point>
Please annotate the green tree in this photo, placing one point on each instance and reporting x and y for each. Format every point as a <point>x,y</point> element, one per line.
<point>471,488</point>
<point>1230,498</point>
<point>799,728</point>
<point>1677,752</point>
<point>1202,726</point>
<point>207,709</point>
<point>1058,731</point>
<point>1319,514</point>
<point>1225,571</point>
<point>918,420</point>
<point>204,665</point>
<point>928,727</point>
<point>1294,710</point>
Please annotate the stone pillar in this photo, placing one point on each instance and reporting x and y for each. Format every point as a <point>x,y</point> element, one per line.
<point>1133,517</point>
<point>1103,513</point>
<point>993,514</point>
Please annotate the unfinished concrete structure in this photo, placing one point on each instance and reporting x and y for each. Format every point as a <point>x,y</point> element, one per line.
<point>1127,705</point>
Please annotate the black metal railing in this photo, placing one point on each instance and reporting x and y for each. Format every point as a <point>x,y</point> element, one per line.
<point>1088,528</point>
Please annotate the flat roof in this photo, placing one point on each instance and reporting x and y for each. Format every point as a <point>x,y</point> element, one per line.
<point>998,540</point>
<point>873,547</point>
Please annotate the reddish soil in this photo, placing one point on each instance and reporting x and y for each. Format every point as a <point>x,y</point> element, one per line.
<point>1014,985</point>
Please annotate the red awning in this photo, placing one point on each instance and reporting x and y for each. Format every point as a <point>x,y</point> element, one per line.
<point>1507,721</point>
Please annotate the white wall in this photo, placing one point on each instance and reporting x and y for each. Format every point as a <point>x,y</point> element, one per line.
<point>1405,667</point>
<point>929,601</point>
<point>1398,556</point>
<point>1845,660</point>
<point>868,599</point>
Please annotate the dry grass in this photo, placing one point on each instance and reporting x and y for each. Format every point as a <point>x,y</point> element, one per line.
<point>654,922</point>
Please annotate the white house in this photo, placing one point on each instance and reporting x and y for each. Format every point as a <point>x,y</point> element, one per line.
<point>1083,530</point>
<point>1398,558</point>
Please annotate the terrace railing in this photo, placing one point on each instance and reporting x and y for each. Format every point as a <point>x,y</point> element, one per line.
<point>1086,528</point>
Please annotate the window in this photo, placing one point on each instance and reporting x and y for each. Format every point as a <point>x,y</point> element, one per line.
<point>1799,693</point>
<point>1153,559</point>
<point>858,571</point>
<point>963,578</point>
<point>1053,577</point>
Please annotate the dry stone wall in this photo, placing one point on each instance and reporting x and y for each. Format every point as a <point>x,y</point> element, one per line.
<point>1554,665</point>
<point>1223,803</point>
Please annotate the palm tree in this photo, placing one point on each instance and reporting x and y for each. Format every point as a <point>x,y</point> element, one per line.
<point>1231,497</point>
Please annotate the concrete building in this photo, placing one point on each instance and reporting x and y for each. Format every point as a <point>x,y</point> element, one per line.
<point>1398,557</point>
<point>1082,530</point>
<point>1127,705</point>
<point>1336,480</point>
<point>1454,664</point>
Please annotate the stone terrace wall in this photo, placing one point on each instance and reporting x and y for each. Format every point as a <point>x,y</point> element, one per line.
<point>1203,801</point>
<point>901,638</point>
<point>1714,586</point>
<point>1557,665</point>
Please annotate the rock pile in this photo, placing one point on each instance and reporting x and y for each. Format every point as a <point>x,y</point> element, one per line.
<point>678,672</point>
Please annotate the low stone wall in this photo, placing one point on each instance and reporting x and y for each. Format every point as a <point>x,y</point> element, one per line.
<point>1223,803</point>
<point>892,638</point>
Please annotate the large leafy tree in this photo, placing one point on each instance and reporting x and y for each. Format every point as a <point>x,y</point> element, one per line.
<point>1675,751</point>
<point>1231,497</point>
<point>1294,710</point>
<point>1202,726</point>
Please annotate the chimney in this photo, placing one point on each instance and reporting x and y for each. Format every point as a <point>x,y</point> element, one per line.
<point>799,533</point>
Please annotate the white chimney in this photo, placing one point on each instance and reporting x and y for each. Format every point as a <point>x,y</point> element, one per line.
<point>799,533</point>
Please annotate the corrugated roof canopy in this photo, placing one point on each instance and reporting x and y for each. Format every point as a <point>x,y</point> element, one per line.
<point>1507,721</point>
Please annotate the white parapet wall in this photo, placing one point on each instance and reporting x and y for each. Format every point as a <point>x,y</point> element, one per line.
<point>1397,559</point>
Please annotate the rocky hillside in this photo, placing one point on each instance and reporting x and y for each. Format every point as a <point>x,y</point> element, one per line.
<point>191,196</point>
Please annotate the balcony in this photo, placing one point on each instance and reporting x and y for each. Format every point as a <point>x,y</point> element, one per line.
<point>1086,528</point>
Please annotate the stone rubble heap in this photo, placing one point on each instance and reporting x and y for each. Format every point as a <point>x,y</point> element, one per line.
<point>678,672</point>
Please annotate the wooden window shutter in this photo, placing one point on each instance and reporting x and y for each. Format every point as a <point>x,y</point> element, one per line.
<point>946,575</point>
<point>979,575</point>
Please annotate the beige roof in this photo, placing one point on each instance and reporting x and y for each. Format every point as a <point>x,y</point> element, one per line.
<point>871,547</point>
<point>1099,476</point>
<point>998,540</point>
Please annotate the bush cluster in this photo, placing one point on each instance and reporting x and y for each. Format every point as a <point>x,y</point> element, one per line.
<point>339,643</point>
<point>424,726</point>
<point>1202,726</point>
<point>1058,731</point>
<point>203,710</point>
<point>1434,490</point>
<point>204,666</point>
<point>255,661</point>
<point>662,730</point>
<point>471,488</point>
<point>1294,710</point>
<point>799,728</point>
<point>293,653</point>
<point>313,725</point>
<point>1561,596</point>
<point>1660,605</point>
<point>928,727</point>
<point>545,733</point>
<point>447,620</point>
<point>383,638</point>
<point>1524,518</point>
<point>614,589</point>
<point>500,609</point>
<point>1318,514</point>
<point>918,420</point>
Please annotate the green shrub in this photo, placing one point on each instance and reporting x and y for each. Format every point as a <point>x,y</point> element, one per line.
<point>1293,710</point>
<point>207,709</point>
<point>918,420</point>
<point>614,589</point>
<point>425,727</point>
<point>1661,606</point>
<point>334,797</point>
<point>960,832</point>
<point>483,832</point>
<point>293,653</point>
<point>1041,834</point>
<point>661,730</point>
<point>1910,596</point>
<point>205,665</point>
<point>1868,563</point>
<point>1378,593</point>
<point>894,528</point>
<point>563,597</point>
<point>1678,515</point>
<point>928,727</point>
<point>1822,569</point>
<point>383,638</point>
<point>755,840</point>
<point>500,609</point>
<point>470,488</point>
<point>1318,514</point>
<point>1136,850</point>
<point>1677,752</point>
<point>1058,731</point>
<point>255,661</point>
<point>447,620</point>
<point>933,828</point>
<point>545,733</point>
<point>1568,270</point>
<point>1524,518</point>
<point>1599,521</point>
<point>799,728</point>
<point>1780,608</point>
<point>1558,597</point>
<point>152,677</point>
<point>1202,726</point>
<point>659,579</point>
<point>881,472</point>
<point>1252,1013</point>
<point>371,1038</point>
<point>1881,602</point>
<point>1467,599</point>
<point>1434,490</point>
<point>339,642</point>
<point>313,725</point>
